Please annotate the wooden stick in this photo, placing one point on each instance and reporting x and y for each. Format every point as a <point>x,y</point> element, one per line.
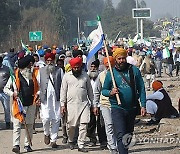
<point>112,75</point>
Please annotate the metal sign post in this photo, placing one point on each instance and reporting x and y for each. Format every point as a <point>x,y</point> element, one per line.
<point>141,13</point>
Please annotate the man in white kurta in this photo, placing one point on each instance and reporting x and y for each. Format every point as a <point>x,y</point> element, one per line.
<point>49,79</point>
<point>76,91</point>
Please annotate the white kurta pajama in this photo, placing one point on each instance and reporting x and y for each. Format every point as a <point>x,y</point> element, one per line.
<point>50,112</point>
<point>74,94</point>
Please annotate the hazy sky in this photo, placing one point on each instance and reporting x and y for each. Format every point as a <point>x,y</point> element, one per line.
<point>160,8</point>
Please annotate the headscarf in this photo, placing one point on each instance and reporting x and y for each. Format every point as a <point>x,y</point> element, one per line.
<point>75,61</point>
<point>96,63</point>
<point>67,68</point>
<point>75,53</point>
<point>156,85</point>
<point>49,55</point>
<point>119,51</point>
<point>111,59</point>
<point>25,61</point>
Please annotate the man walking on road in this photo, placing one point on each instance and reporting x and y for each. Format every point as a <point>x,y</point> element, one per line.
<point>4,98</point>
<point>49,79</point>
<point>75,91</point>
<point>24,88</point>
<point>129,84</point>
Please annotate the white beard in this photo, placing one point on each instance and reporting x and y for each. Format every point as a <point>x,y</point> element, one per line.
<point>26,73</point>
<point>50,69</point>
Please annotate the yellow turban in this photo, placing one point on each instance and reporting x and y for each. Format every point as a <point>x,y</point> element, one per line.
<point>120,51</point>
<point>67,68</point>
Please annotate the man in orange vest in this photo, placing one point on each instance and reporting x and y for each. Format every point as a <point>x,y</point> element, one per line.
<point>23,92</point>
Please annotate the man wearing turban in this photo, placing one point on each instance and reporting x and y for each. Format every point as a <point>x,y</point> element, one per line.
<point>95,119</point>
<point>130,87</point>
<point>76,99</point>
<point>159,104</point>
<point>105,108</point>
<point>25,88</point>
<point>49,79</point>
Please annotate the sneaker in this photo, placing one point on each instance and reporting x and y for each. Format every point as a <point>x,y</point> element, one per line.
<point>46,139</point>
<point>92,144</point>
<point>54,145</point>
<point>16,149</point>
<point>153,122</point>
<point>103,145</point>
<point>83,150</point>
<point>28,148</point>
<point>71,145</point>
<point>64,140</point>
<point>8,125</point>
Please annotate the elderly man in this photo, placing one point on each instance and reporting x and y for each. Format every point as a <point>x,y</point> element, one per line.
<point>76,91</point>
<point>4,98</point>
<point>24,88</point>
<point>129,84</point>
<point>96,120</point>
<point>49,79</point>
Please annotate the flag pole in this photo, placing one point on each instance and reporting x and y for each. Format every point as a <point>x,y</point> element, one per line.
<point>107,54</point>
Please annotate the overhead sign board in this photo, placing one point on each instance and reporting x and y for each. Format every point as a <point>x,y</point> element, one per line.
<point>91,23</point>
<point>141,13</point>
<point>35,36</point>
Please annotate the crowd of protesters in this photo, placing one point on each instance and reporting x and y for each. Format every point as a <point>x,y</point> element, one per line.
<point>62,88</point>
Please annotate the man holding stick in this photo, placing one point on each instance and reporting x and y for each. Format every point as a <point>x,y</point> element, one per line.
<point>23,92</point>
<point>130,85</point>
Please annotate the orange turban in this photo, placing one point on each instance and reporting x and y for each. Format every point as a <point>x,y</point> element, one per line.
<point>49,55</point>
<point>75,62</point>
<point>111,59</point>
<point>119,51</point>
<point>156,85</point>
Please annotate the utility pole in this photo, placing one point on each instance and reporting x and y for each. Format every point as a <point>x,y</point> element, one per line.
<point>137,21</point>
<point>141,28</point>
<point>78,29</point>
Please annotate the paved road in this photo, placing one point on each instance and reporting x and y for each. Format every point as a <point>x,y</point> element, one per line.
<point>40,147</point>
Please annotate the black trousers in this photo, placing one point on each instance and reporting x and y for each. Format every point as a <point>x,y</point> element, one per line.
<point>91,129</point>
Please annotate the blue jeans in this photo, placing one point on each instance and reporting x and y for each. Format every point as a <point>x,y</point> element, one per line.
<point>5,99</point>
<point>123,122</point>
<point>111,139</point>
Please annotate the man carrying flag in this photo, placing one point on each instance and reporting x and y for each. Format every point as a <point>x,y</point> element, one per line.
<point>23,92</point>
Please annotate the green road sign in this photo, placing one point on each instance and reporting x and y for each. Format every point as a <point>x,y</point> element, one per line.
<point>90,23</point>
<point>35,36</point>
<point>141,13</point>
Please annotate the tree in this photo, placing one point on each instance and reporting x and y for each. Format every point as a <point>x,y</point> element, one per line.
<point>107,16</point>
<point>125,8</point>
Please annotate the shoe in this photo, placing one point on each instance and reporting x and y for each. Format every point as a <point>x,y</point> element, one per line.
<point>92,144</point>
<point>16,149</point>
<point>28,148</point>
<point>103,145</point>
<point>8,125</point>
<point>64,140</point>
<point>152,122</point>
<point>136,121</point>
<point>114,151</point>
<point>54,145</point>
<point>46,139</point>
<point>82,150</point>
<point>71,145</point>
<point>34,131</point>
